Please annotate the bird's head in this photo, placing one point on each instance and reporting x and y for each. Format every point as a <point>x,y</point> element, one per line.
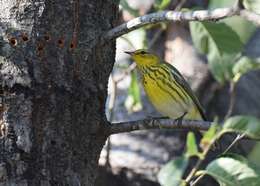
<point>144,58</point>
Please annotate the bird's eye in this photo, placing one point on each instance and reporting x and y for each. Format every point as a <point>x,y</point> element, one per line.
<point>142,52</point>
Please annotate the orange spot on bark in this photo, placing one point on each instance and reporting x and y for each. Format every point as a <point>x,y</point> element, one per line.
<point>40,47</point>
<point>47,38</point>
<point>73,43</point>
<point>12,41</point>
<point>25,37</point>
<point>60,42</point>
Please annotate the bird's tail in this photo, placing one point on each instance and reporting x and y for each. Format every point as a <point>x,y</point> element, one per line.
<point>195,114</point>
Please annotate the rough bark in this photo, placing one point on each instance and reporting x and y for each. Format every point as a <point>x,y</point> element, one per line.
<point>54,90</point>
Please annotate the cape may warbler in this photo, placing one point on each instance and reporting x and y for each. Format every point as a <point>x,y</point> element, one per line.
<point>168,91</point>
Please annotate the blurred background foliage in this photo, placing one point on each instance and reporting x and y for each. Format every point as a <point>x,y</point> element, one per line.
<point>220,60</point>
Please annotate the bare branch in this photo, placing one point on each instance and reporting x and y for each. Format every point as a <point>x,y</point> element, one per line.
<point>157,123</point>
<point>198,15</point>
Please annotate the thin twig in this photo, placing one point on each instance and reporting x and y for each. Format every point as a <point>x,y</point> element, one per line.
<point>239,137</point>
<point>111,106</point>
<point>126,72</point>
<point>197,180</point>
<point>180,5</point>
<point>199,162</point>
<point>155,38</point>
<point>128,41</point>
<point>157,123</point>
<point>232,99</point>
<point>112,99</point>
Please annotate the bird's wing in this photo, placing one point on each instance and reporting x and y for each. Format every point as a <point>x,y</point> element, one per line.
<point>179,79</point>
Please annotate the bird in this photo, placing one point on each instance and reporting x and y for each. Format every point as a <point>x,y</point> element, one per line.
<point>166,88</point>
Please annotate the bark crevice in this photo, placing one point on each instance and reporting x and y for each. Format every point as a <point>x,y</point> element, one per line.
<point>54,90</point>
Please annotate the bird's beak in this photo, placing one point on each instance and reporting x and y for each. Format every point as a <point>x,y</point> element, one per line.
<point>130,53</point>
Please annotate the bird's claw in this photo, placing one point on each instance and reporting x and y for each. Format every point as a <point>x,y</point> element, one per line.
<point>179,119</point>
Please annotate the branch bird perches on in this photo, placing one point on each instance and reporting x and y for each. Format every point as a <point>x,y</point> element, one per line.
<point>157,123</point>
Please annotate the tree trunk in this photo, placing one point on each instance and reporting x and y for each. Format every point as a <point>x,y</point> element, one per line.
<point>54,87</point>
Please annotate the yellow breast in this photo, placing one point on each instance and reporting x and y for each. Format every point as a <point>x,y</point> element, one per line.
<point>168,99</point>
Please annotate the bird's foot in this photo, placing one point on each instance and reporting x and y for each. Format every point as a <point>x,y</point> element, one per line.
<point>149,117</point>
<point>179,119</point>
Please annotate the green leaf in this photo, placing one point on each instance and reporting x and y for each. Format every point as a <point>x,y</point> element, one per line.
<point>233,170</point>
<point>208,136</point>
<point>244,65</point>
<point>133,101</point>
<point>220,43</point>
<point>132,11</point>
<point>241,26</point>
<point>254,155</point>
<point>191,146</point>
<point>221,3</point>
<point>161,4</point>
<point>244,125</point>
<point>253,5</point>
<point>171,173</point>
